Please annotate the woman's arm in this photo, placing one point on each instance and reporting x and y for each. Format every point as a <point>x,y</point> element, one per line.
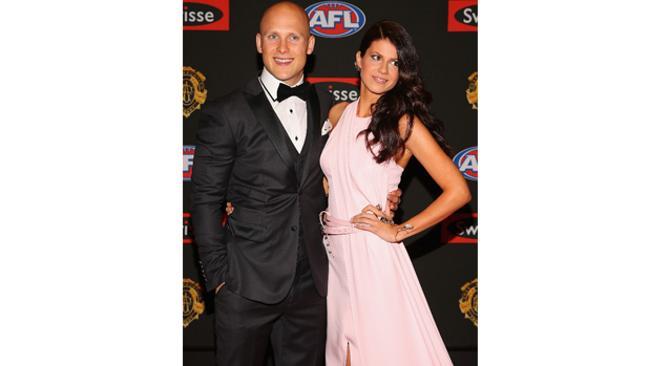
<point>333,116</point>
<point>442,170</point>
<point>335,113</point>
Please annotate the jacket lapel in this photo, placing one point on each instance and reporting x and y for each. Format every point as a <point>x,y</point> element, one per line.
<point>266,117</point>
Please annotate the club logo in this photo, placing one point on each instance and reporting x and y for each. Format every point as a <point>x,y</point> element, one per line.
<point>206,15</point>
<point>471,93</point>
<point>335,19</point>
<point>188,162</point>
<point>193,304</point>
<point>187,228</point>
<point>460,228</point>
<point>467,162</point>
<point>462,16</point>
<point>194,92</point>
<point>342,89</point>
<point>468,303</point>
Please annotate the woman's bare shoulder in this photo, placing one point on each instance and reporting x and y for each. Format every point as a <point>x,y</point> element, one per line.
<point>335,113</point>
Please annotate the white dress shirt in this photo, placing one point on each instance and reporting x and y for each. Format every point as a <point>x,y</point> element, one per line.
<point>292,112</point>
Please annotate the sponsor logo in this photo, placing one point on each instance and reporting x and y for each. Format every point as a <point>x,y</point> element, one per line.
<point>460,228</point>
<point>462,16</point>
<point>187,228</point>
<point>468,302</point>
<point>207,15</point>
<point>471,93</point>
<point>467,162</point>
<point>194,92</point>
<point>335,19</point>
<point>342,89</point>
<point>188,162</point>
<point>193,304</point>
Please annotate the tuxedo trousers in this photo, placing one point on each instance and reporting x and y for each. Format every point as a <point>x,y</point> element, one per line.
<point>296,327</point>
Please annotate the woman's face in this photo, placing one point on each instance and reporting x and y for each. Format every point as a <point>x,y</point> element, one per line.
<point>379,67</point>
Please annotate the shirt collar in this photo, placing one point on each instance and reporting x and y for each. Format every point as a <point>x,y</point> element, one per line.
<point>270,83</point>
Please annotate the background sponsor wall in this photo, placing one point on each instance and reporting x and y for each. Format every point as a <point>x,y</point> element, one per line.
<point>219,55</point>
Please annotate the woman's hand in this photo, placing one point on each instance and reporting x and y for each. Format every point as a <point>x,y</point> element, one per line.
<point>370,219</point>
<point>392,203</point>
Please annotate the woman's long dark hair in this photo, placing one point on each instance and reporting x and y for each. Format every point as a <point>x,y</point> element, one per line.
<point>408,97</point>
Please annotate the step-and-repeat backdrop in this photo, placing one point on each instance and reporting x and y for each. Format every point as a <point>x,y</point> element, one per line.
<point>219,55</point>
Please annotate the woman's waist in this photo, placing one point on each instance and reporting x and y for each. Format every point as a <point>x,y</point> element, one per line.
<point>345,205</point>
<point>336,225</point>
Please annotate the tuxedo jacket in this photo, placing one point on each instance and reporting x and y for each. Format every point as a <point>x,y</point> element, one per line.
<point>243,155</point>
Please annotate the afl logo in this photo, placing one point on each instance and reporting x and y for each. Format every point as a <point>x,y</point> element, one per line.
<point>335,19</point>
<point>188,162</point>
<point>467,163</point>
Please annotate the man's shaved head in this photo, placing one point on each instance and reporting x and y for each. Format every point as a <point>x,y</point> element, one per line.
<point>286,7</point>
<point>284,41</point>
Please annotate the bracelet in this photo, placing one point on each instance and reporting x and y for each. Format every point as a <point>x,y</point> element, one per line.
<point>404,227</point>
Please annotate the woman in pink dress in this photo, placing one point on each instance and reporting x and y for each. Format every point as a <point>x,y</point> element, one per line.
<point>377,312</point>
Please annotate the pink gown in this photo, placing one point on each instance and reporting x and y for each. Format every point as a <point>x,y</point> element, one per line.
<point>375,302</point>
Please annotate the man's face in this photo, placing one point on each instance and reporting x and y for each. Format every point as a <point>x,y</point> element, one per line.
<point>284,42</point>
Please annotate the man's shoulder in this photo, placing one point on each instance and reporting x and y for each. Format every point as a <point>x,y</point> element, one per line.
<point>224,101</point>
<point>233,98</point>
<point>325,97</point>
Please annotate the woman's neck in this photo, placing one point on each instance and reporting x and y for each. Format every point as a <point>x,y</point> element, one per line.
<point>366,100</point>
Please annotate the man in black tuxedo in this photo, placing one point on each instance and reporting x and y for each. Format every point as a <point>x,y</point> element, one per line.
<point>259,147</point>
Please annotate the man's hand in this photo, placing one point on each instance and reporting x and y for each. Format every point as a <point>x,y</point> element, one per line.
<point>392,203</point>
<point>229,208</point>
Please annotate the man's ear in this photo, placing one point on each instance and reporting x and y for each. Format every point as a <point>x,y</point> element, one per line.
<point>258,42</point>
<point>310,44</point>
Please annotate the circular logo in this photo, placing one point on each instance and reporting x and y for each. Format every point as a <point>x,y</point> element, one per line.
<point>467,162</point>
<point>472,90</point>
<point>335,19</point>
<point>193,304</point>
<point>468,302</point>
<point>194,92</point>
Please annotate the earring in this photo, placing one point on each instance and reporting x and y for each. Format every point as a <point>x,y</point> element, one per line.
<point>356,67</point>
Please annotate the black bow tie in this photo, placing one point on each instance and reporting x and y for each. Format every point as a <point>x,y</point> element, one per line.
<point>300,91</point>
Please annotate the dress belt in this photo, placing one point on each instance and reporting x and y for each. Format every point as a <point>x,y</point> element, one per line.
<point>334,226</point>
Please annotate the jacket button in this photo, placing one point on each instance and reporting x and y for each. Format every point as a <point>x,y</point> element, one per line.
<point>293,228</point>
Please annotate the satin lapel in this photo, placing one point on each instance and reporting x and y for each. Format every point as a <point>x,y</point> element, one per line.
<point>271,124</point>
<point>311,147</point>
